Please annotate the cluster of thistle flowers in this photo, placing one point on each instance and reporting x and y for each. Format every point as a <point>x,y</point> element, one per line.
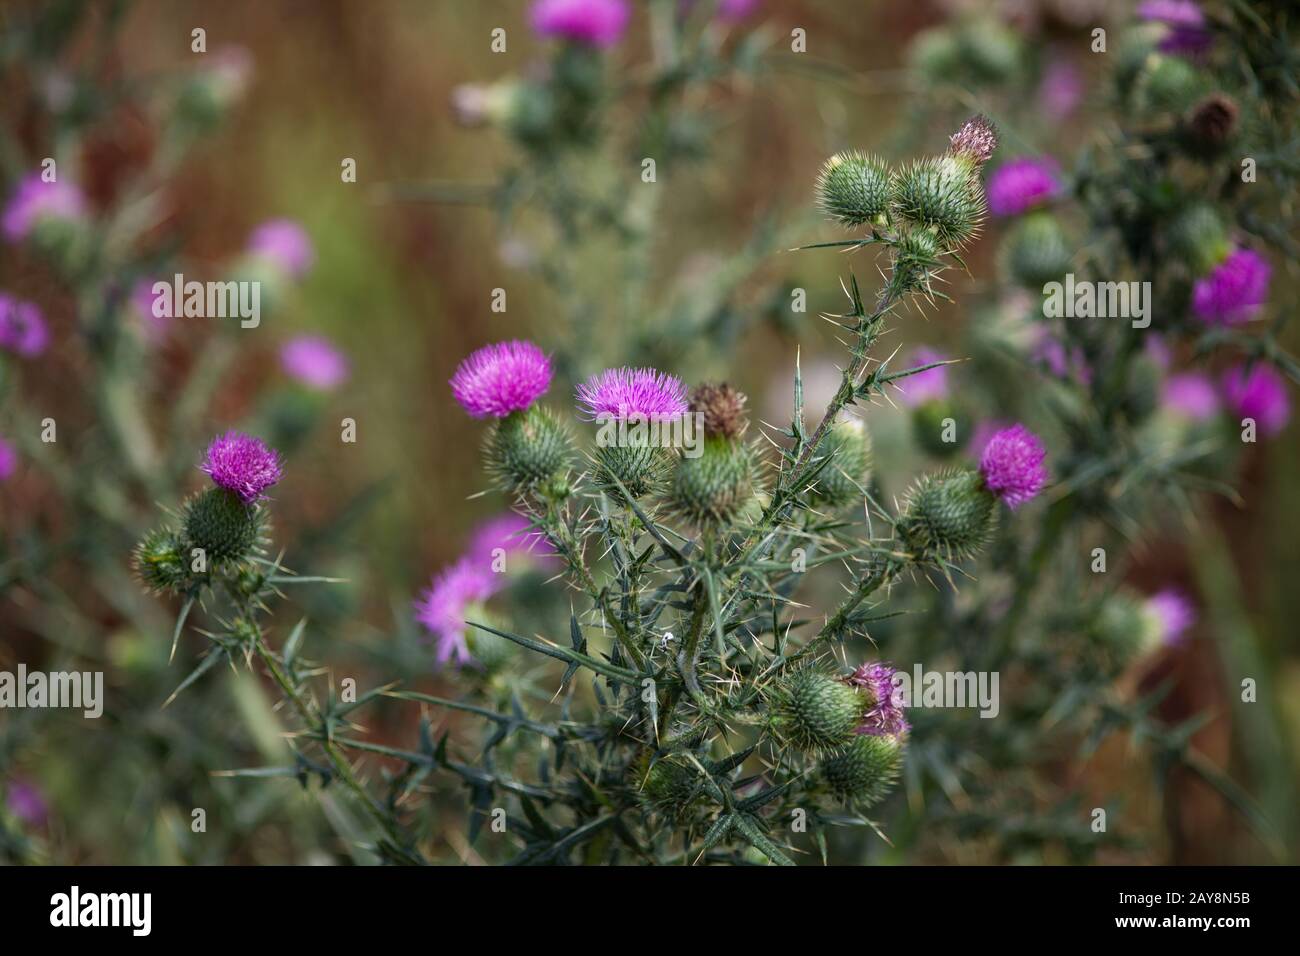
<point>219,530</point>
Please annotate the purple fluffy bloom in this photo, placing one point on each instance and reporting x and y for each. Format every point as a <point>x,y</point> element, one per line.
<point>1061,90</point>
<point>982,434</point>
<point>1063,363</point>
<point>1012,465</point>
<point>284,243</point>
<point>26,803</point>
<point>1187,33</point>
<point>1234,290</point>
<point>510,532</point>
<point>35,200</point>
<point>22,328</point>
<point>1191,395</point>
<point>442,608</point>
<point>1171,614</point>
<point>242,464</point>
<point>620,393</point>
<point>1022,184</point>
<point>885,716</point>
<point>930,385</point>
<point>315,361</point>
<point>1259,394</point>
<point>598,23</point>
<point>501,378</point>
<point>733,11</point>
<point>8,460</point>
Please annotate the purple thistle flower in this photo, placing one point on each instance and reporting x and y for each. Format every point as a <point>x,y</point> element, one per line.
<point>442,608</point>
<point>8,460</point>
<point>1234,290</point>
<point>35,200</point>
<point>144,301</point>
<point>22,328</point>
<point>510,532</point>
<point>285,244</point>
<point>733,11</point>
<point>1171,614</point>
<point>930,385</point>
<point>1259,394</point>
<point>1191,395</point>
<point>598,23</point>
<point>25,802</point>
<point>983,433</point>
<point>242,464</point>
<point>1065,364</point>
<point>1012,465</point>
<point>1021,184</point>
<point>1061,90</point>
<point>314,361</point>
<point>620,393</point>
<point>501,378</point>
<point>1187,33</point>
<point>885,717</point>
<point>977,139</point>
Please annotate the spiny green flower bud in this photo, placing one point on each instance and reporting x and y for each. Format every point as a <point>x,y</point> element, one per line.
<point>490,652</point>
<point>159,561</point>
<point>941,427</point>
<point>1168,84</point>
<point>1198,236</point>
<point>527,449</point>
<point>1121,627</point>
<point>854,188</point>
<point>942,193</point>
<point>244,631</point>
<point>841,480</point>
<point>716,484</point>
<point>989,49</point>
<point>816,711</point>
<point>863,772</point>
<point>1142,391</point>
<point>722,408</point>
<point>935,53</point>
<point>948,515</point>
<point>219,522</point>
<point>641,468</point>
<point>670,786</point>
<point>1035,252</point>
<point>915,259</point>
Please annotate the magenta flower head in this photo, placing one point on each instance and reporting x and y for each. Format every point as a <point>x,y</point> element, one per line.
<point>285,244</point>
<point>927,386</point>
<point>442,608</point>
<point>8,460</point>
<point>1170,613</point>
<point>1012,465</point>
<point>622,393</point>
<point>155,320</point>
<point>1061,90</point>
<point>1022,184</point>
<point>597,23</point>
<point>25,802</point>
<point>314,361</point>
<point>1234,290</point>
<point>1187,33</point>
<point>22,328</point>
<point>733,11</point>
<point>1259,394</point>
<point>509,533</point>
<point>502,378</point>
<point>885,717</point>
<point>242,464</point>
<point>35,201</point>
<point>1191,395</point>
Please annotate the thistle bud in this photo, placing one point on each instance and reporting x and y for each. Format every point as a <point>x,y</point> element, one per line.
<point>976,141</point>
<point>527,449</point>
<point>1035,252</point>
<point>715,485</point>
<point>632,405</point>
<point>916,255</point>
<point>668,786</point>
<point>841,480</point>
<point>949,515</point>
<point>854,188</point>
<point>1212,123</point>
<point>222,524</point>
<point>817,711</point>
<point>722,409</point>
<point>943,194</point>
<point>1198,236</point>
<point>1168,84</point>
<point>863,772</point>
<point>159,561</point>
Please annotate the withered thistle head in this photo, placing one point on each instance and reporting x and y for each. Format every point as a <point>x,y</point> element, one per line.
<point>723,409</point>
<point>976,140</point>
<point>1213,120</point>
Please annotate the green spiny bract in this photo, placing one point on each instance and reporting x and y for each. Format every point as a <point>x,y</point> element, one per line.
<point>817,711</point>
<point>947,516</point>
<point>1198,236</point>
<point>716,484</point>
<point>160,562</point>
<point>1120,627</point>
<point>642,469</point>
<point>670,786</point>
<point>528,449</point>
<point>219,522</point>
<point>864,771</point>
<point>916,259</point>
<point>942,193</point>
<point>1168,84</point>
<point>853,188</point>
<point>1036,252</point>
<point>843,478</point>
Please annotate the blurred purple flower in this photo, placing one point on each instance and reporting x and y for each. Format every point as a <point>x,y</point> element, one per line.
<point>1171,613</point>
<point>143,301</point>
<point>25,802</point>
<point>1259,394</point>
<point>510,532</point>
<point>620,393</point>
<point>35,200</point>
<point>982,434</point>
<point>1187,33</point>
<point>924,386</point>
<point>442,608</point>
<point>1191,395</point>
<point>1012,465</point>
<point>734,11</point>
<point>1065,364</point>
<point>1234,290</point>
<point>501,378</point>
<point>1061,90</point>
<point>314,361</point>
<point>885,718</point>
<point>242,464</point>
<point>285,244</point>
<point>598,23</point>
<point>22,328</point>
<point>1021,184</point>
<point>8,460</point>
